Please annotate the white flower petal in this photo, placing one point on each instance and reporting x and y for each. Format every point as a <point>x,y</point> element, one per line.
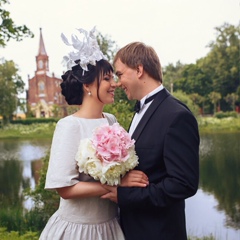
<point>87,50</point>
<point>65,40</point>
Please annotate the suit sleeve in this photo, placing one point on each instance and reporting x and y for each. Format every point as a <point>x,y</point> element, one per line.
<point>181,159</point>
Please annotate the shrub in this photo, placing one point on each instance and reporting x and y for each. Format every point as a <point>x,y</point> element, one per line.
<point>29,121</point>
<point>13,235</point>
<point>123,111</point>
<point>183,97</point>
<point>226,114</point>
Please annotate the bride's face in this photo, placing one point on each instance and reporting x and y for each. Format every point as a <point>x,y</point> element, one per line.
<point>102,93</point>
<point>107,88</point>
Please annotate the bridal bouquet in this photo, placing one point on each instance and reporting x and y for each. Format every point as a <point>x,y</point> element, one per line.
<point>108,155</point>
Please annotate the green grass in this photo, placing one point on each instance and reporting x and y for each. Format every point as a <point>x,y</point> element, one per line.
<point>36,130</point>
<point>203,238</point>
<point>13,235</point>
<point>211,124</point>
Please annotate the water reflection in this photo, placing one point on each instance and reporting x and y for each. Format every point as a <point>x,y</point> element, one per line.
<point>20,162</point>
<point>204,218</point>
<point>220,188</point>
<point>23,150</point>
<point>220,175</point>
<point>11,182</point>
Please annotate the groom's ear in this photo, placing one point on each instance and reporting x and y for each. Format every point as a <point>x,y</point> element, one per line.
<point>140,71</point>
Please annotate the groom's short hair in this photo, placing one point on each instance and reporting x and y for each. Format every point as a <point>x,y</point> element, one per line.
<point>138,53</point>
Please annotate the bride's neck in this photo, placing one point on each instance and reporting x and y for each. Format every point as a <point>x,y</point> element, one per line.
<point>91,112</point>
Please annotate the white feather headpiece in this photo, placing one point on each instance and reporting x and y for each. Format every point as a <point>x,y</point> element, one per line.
<point>87,50</point>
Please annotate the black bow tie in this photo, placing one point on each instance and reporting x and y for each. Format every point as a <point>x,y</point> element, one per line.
<point>137,106</point>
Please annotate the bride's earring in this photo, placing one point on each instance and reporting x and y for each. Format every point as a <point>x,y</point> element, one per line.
<point>89,93</point>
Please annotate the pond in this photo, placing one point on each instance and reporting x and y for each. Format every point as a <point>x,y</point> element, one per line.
<point>215,209</point>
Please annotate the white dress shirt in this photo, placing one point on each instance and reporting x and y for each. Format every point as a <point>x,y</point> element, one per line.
<point>143,108</point>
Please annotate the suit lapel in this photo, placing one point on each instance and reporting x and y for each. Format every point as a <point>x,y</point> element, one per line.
<point>152,108</point>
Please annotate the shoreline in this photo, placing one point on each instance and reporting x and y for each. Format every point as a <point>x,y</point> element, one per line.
<point>207,125</point>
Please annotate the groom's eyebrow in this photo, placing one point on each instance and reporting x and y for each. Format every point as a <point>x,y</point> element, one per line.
<point>118,73</point>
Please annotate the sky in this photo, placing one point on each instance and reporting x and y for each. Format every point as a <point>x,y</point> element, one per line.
<point>179,30</point>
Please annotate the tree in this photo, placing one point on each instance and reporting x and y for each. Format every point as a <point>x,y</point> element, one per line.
<point>222,62</point>
<point>214,98</point>
<point>193,80</point>
<point>198,100</point>
<point>107,46</point>
<point>232,98</point>
<point>217,72</point>
<point>11,84</point>
<point>171,74</point>
<point>8,29</point>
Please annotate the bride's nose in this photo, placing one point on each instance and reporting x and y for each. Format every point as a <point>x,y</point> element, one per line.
<point>119,84</point>
<point>113,84</point>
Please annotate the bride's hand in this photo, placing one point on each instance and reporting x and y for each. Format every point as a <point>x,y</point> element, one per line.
<point>134,178</point>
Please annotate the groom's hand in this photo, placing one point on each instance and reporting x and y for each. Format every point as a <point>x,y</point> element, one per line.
<point>112,194</point>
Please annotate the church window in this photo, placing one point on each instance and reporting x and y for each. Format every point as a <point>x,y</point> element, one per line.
<point>40,64</point>
<point>41,87</point>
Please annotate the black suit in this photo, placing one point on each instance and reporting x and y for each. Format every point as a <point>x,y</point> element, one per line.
<point>167,144</point>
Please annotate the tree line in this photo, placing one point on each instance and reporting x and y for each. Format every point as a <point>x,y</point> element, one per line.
<point>212,82</point>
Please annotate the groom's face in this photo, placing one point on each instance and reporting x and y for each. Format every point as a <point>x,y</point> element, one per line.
<point>127,78</point>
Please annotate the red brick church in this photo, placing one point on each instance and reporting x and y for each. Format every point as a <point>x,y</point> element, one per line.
<point>44,93</point>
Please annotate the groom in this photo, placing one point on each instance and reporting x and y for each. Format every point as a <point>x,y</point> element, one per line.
<point>167,144</point>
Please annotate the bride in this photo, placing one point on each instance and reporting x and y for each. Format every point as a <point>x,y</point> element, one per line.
<point>82,213</point>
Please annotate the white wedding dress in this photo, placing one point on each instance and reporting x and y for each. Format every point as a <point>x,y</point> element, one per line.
<point>87,218</point>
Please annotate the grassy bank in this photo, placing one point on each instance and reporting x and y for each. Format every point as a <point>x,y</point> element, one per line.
<point>36,130</point>
<point>211,124</point>
<point>45,130</point>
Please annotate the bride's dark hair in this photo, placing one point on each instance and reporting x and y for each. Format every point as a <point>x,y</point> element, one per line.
<point>73,80</point>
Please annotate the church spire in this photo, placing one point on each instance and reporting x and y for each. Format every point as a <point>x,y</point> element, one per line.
<point>42,57</point>
<point>42,50</point>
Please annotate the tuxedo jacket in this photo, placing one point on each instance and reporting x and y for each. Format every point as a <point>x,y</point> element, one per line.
<point>167,144</point>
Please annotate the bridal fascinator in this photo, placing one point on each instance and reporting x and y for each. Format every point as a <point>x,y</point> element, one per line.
<point>85,52</point>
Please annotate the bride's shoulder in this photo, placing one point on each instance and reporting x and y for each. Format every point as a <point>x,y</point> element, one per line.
<point>111,118</point>
<point>68,120</point>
